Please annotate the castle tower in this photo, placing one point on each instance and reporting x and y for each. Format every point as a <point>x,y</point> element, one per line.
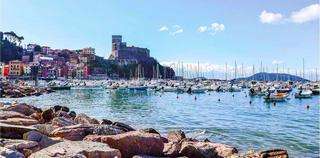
<point>116,43</point>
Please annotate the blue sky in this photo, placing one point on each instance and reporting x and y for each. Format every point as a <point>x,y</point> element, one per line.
<point>247,31</point>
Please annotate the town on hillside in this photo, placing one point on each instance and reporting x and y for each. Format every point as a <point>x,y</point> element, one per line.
<point>19,61</point>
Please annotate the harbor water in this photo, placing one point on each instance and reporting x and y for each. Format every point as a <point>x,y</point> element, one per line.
<point>222,117</point>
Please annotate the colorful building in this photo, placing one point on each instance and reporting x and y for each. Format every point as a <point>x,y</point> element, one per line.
<point>87,55</point>
<point>15,68</point>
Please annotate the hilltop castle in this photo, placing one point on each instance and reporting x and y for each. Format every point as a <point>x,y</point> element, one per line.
<point>127,54</point>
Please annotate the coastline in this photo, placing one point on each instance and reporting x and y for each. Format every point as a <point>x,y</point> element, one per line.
<point>43,131</point>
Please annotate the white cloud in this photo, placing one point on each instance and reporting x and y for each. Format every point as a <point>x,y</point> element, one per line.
<point>277,62</point>
<point>163,28</point>
<point>306,14</point>
<point>269,17</point>
<point>173,30</point>
<point>217,27</point>
<point>211,29</point>
<point>202,29</point>
<point>177,29</point>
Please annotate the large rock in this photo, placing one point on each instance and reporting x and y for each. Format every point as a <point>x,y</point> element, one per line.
<point>45,129</point>
<point>172,149</point>
<point>176,136</point>
<point>132,143</point>
<point>47,115</point>
<point>36,115</point>
<point>206,149</point>
<point>62,121</point>
<point>20,121</point>
<point>58,108</point>
<point>8,153</point>
<point>11,114</point>
<point>106,130</point>
<point>84,119</point>
<point>23,109</point>
<point>149,130</point>
<point>62,114</point>
<point>42,140</point>
<point>24,146</point>
<point>106,122</point>
<point>14,131</point>
<point>123,126</point>
<point>278,153</point>
<point>77,149</point>
<point>74,132</point>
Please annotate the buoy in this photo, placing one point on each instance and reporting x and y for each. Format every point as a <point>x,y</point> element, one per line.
<point>218,99</point>
<point>232,95</point>
<point>250,102</point>
<point>308,107</point>
<point>177,97</point>
<point>195,97</point>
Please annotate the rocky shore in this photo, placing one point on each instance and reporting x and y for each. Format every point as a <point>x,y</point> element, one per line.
<point>28,131</point>
<point>9,90</point>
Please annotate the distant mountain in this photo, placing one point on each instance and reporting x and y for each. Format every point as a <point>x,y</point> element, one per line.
<point>263,76</point>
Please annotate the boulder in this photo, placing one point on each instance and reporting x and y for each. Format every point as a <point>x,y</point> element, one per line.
<point>57,108</point>
<point>8,153</point>
<point>171,149</point>
<point>149,130</point>
<point>47,115</point>
<point>278,153</point>
<point>74,132</point>
<point>36,115</point>
<point>11,114</point>
<point>45,129</point>
<point>63,114</point>
<point>206,149</point>
<point>176,136</point>
<point>106,130</point>
<point>84,119</point>
<point>147,156</point>
<point>42,140</point>
<point>20,121</point>
<point>23,146</point>
<point>62,121</point>
<point>72,114</point>
<point>123,126</point>
<point>105,122</point>
<point>23,109</point>
<point>132,143</point>
<point>77,149</point>
<point>65,109</point>
<point>14,131</point>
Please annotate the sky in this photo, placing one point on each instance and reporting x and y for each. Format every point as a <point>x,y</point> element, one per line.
<point>212,32</point>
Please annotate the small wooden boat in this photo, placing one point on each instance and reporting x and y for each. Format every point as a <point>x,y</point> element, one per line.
<point>276,97</point>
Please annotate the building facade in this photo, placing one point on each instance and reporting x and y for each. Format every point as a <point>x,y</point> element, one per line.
<point>15,68</point>
<point>87,55</point>
<point>127,54</point>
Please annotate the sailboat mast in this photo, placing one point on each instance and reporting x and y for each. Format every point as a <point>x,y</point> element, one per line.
<point>226,73</point>
<point>235,69</point>
<point>198,70</point>
<point>303,67</point>
<point>316,74</point>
